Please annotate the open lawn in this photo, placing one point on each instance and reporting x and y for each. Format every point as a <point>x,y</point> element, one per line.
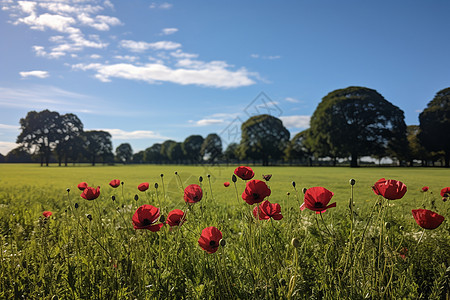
<point>89,249</point>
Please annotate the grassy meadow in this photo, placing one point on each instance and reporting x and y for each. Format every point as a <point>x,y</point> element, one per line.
<point>89,249</point>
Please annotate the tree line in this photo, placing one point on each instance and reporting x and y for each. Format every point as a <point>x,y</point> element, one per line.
<point>347,124</point>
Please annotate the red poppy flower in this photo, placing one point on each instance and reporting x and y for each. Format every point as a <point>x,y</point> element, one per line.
<point>389,189</point>
<point>427,219</point>
<point>445,192</point>
<point>255,191</point>
<point>143,186</point>
<point>145,217</point>
<point>90,193</point>
<point>209,239</point>
<point>82,186</point>
<point>114,183</point>
<point>268,210</point>
<point>226,184</point>
<point>174,218</point>
<point>425,189</point>
<point>193,193</point>
<point>47,213</point>
<point>403,252</point>
<point>317,199</point>
<point>245,173</point>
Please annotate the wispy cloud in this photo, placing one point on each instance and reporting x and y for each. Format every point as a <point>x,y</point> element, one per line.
<point>9,127</point>
<point>164,5</point>
<point>119,134</point>
<point>298,121</point>
<point>36,73</point>
<point>168,31</point>
<point>269,57</point>
<point>292,100</point>
<point>140,46</point>
<point>207,122</point>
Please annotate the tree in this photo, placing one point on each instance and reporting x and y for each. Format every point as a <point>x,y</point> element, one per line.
<point>192,146</point>
<point>153,154</point>
<point>124,153</point>
<point>263,138</point>
<point>40,133</point>
<point>97,143</point>
<point>435,125</point>
<point>231,153</point>
<point>70,129</point>
<point>416,150</point>
<point>138,157</point>
<point>357,121</point>
<point>299,148</point>
<point>18,155</point>
<point>211,149</point>
<point>175,153</point>
<point>165,146</point>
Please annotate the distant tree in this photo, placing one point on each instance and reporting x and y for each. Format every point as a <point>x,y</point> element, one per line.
<point>70,129</point>
<point>263,138</point>
<point>175,153</point>
<point>153,154</point>
<point>231,153</point>
<point>165,146</point>
<point>2,158</point>
<point>358,121</point>
<point>211,149</point>
<point>434,120</point>
<point>40,133</point>
<point>124,153</point>
<point>19,155</point>
<point>416,150</point>
<point>192,146</point>
<point>299,148</point>
<point>98,144</point>
<point>138,158</point>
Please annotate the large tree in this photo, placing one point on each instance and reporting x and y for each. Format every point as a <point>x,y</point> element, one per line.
<point>435,124</point>
<point>124,153</point>
<point>358,121</point>
<point>165,146</point>
<point>191,148</point>
<point>40,134</point>
<point>70,129</point>
<point>153,154</point>
<point>211,149</point>
<point>175,153</point>
<point>263,138</point>
<point>98,144</point>
<point>299,148</point>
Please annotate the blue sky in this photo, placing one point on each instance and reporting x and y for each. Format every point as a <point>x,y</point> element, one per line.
<point>149,71</point>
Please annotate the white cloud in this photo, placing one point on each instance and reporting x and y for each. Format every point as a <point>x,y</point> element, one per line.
<point>292,100</point>
<point>298,121</point>
<point>119,134</point>
<point>205,74</point>
<point>168,31</point>
<point>180,54</point>
<point>126,57</point>
<point>270,57</point>
<point>39,74</point>
<point>9,127</point>
<point>101,23</point>
<point>143,46</point>
<point>164,5</point>
<point>208,122</point>
<point>5,147</point>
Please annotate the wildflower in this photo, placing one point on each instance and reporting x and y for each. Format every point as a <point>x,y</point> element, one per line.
<point>255,191</point>
<point>226,184</point>
<point>267,177</point>
<point>403,252</point>
<point>174,217</point>
<point>89,193</point>
<point>425,189</point>
<point>317,199</point>
<point>445,192</point>
<point>47,213</point>
<point>143,186</point>
<point>193,193</point>
<point>82,185</point>
<point>210,239</point>
<point>268,210</point>
<point>114,183</point>
<point>389,189</point>
<point>427,219</point>
<point>245,173</point>
<point>145,217</point>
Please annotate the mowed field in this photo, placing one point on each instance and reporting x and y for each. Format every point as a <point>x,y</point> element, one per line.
<point>379,253</point>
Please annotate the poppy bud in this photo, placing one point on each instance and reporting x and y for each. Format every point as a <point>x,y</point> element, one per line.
<point>162,219</point>
<point>176,173</point>
<point>89,217</point>
<point>136,197</point>
<point>233,178</point>
<point>121,183</point>
<point>113,198</point>
<point>304,190</point>
<point>76,205</point>
<point>288,193</point>
<point>352,181</point>
<point>387,225</point>
<point>156,185</point>
<point>68,190</point>
<point>209,176</point>
<point>162,175</point>
<point>401,228</point>
<point>282,282</point>
<point>222,242</point>
<point>444,199</point>
<point>295,242</point>
<point>200,179</point>
<point>293,184</point>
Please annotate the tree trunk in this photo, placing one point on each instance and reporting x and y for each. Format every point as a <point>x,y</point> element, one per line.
<point>354,161</point>
<point>447,159</point>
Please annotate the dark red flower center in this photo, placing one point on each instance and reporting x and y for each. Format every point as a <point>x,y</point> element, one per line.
<point>146,222</point>
<point>318,204</point>
<point>195,198</point>
<point>212,243</point>
<point>255,196</point>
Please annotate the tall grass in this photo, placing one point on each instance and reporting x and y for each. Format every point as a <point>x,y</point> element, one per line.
<point>88,249</point>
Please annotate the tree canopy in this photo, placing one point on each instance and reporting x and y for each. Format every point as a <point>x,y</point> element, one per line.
<point>124,153</point>
<point>357,121</point>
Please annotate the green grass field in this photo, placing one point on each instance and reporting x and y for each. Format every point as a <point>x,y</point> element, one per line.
<point>72,257</point>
